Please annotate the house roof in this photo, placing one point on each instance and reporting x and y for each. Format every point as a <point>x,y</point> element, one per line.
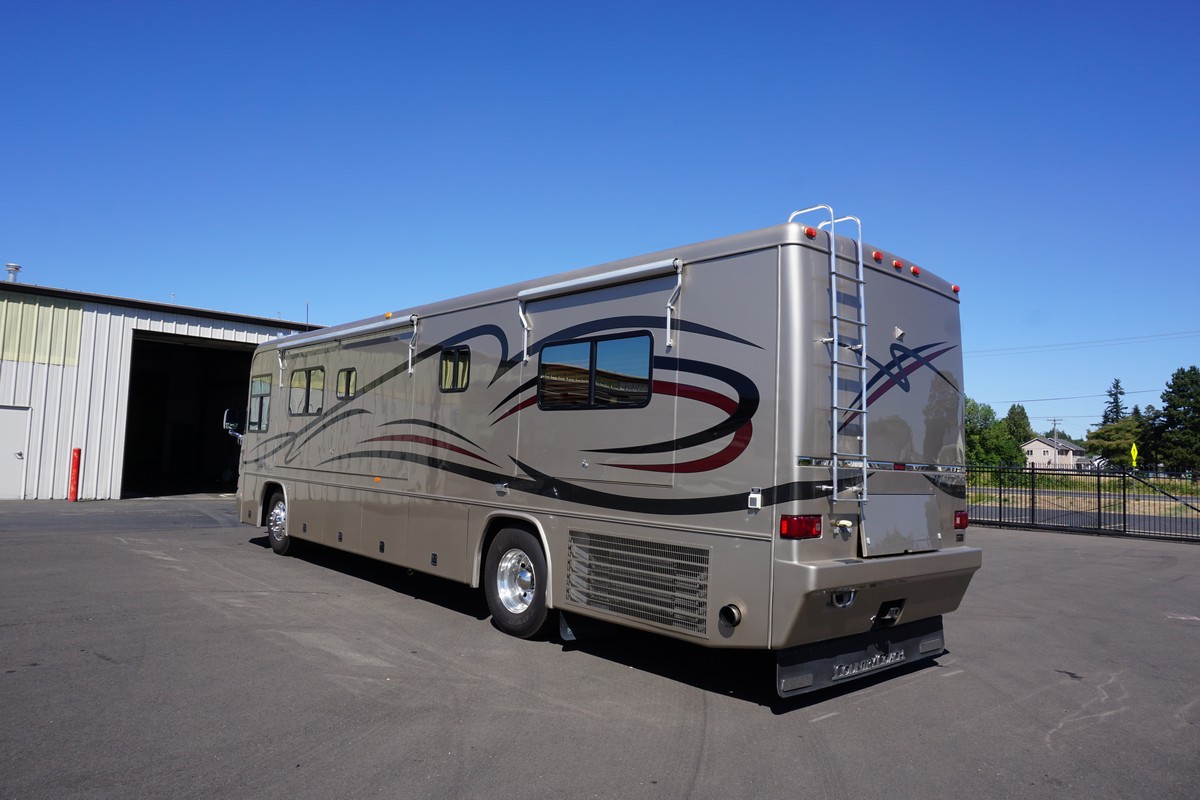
<point>1057,444</point>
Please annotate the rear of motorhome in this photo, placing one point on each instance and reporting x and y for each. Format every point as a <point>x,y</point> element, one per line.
<point>751,442</point>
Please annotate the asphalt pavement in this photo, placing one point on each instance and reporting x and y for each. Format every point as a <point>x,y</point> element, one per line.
<point>157,648</point>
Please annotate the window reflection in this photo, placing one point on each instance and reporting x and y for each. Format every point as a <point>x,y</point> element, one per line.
<point>596,373</point>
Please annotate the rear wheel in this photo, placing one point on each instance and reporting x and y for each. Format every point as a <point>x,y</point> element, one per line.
<point>515,577</point>
<point>277,533</point>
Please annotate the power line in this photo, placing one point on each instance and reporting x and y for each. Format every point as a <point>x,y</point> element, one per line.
<point>1074,397</point>
<point>1051,348</point>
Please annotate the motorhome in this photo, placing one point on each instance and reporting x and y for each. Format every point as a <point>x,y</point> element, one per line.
<point>751,442</point>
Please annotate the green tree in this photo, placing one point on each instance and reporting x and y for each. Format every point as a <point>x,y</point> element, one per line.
<point>1149,441</point>
<point>1017,420</point>
<point>1114,441</point>
<point>1114,409</point>
<point>1178,425</point>
<point>1060,434</point>
<point>988,439</point>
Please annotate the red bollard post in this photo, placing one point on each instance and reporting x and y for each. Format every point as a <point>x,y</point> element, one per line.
<point>73,487</point>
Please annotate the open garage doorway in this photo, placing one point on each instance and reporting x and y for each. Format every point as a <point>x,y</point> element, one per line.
<point>179,388</point>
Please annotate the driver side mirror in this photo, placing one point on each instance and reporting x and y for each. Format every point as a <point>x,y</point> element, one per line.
<point>232,423</point>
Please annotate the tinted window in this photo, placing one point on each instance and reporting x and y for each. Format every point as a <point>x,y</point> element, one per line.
<point>347,383</point>
<point>595,373</point>
<point>622,376</point>
<point>306,392</point>
<point>564,375</point>
<point>456,369</point>
<point>260,403</point>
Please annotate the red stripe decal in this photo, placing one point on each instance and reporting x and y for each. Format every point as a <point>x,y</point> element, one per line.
<point>739,443</point>
<point>522,405</point>
<point>715,399</point>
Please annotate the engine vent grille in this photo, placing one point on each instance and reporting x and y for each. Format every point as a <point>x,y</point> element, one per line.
<point>664,584</point>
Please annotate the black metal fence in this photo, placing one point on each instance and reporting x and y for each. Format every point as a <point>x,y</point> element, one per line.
<point>1109,502</point>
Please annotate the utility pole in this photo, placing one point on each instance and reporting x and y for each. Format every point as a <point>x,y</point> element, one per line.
<point>1055,422</point>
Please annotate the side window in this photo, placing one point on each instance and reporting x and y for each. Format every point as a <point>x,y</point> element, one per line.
<point>563,375</point>
<point>347,383</point>
<point>260,403</point>
<point>456,369</point>
<point>622,372</point>
<point>306,392</point>
<point>612,372</point>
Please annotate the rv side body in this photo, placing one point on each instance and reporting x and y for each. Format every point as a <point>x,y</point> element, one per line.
<point>650,422</point>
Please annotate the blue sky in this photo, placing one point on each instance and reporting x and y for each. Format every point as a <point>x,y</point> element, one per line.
<point>359,157</point>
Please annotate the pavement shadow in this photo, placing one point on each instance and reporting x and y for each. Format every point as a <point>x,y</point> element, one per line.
<point>746,675</point>
<point>427,588</point>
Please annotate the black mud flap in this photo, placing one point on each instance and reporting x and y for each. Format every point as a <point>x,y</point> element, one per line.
<point>809,667</point>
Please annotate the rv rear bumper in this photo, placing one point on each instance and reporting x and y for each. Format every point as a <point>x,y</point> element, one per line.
<point>810,667</point>
<point>818,601</point>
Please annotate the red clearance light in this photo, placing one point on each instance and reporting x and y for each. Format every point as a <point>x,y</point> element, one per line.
<point>899,467</point>
<point>956,288</point>
<point>878,256</point>
<point>810,233</point>
<point>805,526</point>
<point>898,264</point>
<point>961,520</point>
<point>916,270</point>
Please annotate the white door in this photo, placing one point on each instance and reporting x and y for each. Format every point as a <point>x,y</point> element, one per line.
<point>14,424</point>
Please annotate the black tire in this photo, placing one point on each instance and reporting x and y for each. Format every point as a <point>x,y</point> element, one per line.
<point>277,533</point>
<point>514,580</point>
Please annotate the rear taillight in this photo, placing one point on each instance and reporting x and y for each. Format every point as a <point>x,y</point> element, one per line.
<point>960,520</point>
<point>805,526</point>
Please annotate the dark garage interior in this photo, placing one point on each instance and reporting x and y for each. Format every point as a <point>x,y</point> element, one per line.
<point>179,389</point>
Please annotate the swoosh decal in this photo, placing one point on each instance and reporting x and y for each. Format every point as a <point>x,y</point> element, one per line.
<point>426,440</point>
<point>896,372</point>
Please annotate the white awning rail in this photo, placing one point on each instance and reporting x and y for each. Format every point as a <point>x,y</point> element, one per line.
<point>617,276</point>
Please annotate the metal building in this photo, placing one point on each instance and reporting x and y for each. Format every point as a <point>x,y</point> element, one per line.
<point>138,387</point>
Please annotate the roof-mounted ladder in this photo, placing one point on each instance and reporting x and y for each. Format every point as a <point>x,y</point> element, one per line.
<point>847,343</point>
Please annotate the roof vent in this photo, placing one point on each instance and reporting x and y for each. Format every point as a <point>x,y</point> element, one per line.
<point>13,269</point>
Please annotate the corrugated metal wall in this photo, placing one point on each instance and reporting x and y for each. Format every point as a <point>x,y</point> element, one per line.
<point>68,361</point>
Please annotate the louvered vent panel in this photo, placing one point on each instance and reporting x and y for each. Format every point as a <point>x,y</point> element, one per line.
<point>664,584</point>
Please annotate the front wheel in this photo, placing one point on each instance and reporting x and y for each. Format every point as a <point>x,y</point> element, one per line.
<point>277,533</point>
<point>515,578</point>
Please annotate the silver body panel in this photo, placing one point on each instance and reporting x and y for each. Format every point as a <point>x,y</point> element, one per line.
<point>644,513</point>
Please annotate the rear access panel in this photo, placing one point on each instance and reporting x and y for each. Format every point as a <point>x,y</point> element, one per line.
<point>900,523</point>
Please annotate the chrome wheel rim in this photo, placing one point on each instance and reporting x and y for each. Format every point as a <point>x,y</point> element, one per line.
<point>277,521</point>
<point>516,581</point>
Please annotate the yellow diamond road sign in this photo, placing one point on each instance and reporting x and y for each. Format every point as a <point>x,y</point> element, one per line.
<point>1133,452</point>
